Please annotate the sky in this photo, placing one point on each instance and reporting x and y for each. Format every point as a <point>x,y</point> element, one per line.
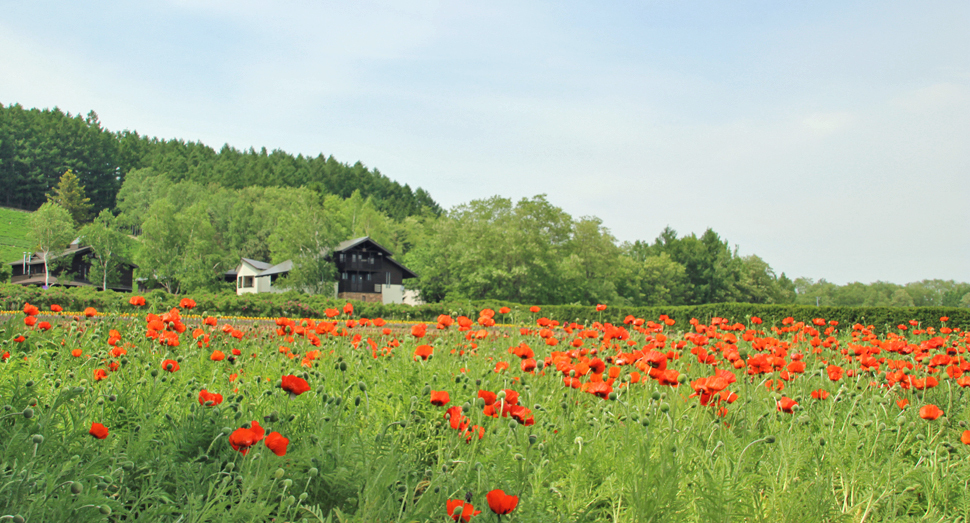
<point>830,138</point>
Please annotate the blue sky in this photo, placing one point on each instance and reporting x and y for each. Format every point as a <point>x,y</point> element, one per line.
<point>829,138</point>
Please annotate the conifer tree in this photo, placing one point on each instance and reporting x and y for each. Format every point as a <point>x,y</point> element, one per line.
<point>69,194</point>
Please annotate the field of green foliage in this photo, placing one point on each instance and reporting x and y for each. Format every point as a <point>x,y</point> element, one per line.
<point>13,235</point>
<point>169,416</point>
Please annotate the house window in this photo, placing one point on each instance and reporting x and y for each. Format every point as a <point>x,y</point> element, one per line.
<point>248,282</point>
<point>368,276</point>
<point>343,275</point>
<point>387,278</point>
<point>239,282</point>
<point>371,259</point>
<point>341,257</point>
<point>353,258</point>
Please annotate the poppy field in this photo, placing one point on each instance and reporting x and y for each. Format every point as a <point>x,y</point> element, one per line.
<point>183,417</point>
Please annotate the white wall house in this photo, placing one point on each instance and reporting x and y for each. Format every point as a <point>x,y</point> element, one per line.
<point>254,276</point>
<point>366,271</point>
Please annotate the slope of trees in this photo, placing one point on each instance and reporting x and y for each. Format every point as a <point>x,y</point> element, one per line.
<point>37,146</point>
<point>534,252</point>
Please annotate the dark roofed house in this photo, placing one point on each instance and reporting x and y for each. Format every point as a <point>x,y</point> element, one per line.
<point>366,271</point>
<point>31,271</point>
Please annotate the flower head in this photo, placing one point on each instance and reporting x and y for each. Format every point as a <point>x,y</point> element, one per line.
<point>209,399</point>
<point>170,365</point>
<point>277,443</point>
<point>500,502</point>
<point>460,509</point>
<point>294,385</point>
<point>930,412</point>
<point>98,431</point>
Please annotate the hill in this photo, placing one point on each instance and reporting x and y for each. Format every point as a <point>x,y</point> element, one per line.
<point>38,145</point>
<point>13,234</point>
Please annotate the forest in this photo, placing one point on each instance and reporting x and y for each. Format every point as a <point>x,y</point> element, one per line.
<point>189,213</point>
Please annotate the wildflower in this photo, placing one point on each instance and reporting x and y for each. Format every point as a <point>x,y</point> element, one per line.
<point>820,394</point>
<point>500,502</point>
<point>44,326</point>
<point>31,310</point>
<point>834,372</point>
<point>439,398</point>
<point>965,438</point>
<point>217,355</point>
<point>170,365</point>
<point>77,353</point>
<point>56,308</point>
<point>187,303</point>
<point>205,397</point>
<point>599,308</point>
<point>98,431</point>
<point>30,321</point>
<point>19,339</point>
<point>786,404</point>
<point>349,308</point>
<point>423,351</point>
<point>504,310</point>
<point>294,385</point>
<point>210,321</point>
<point>534,308</point>
<point>277,443</point>
<point>100,374</point>
<point>419,330</point>
<point>460,509</point>
<point>930,412</point>
<point>137,301</point>
<point>90,312</point>
<point>243,438</point>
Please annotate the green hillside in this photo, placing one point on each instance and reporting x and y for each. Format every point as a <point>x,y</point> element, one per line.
<point>13,234</point>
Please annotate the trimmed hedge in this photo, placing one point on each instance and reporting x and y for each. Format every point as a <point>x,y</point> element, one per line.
<point>295,305</point>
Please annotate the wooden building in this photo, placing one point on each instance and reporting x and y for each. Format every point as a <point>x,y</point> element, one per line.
<point>72,273</point>
<point>366,271</point>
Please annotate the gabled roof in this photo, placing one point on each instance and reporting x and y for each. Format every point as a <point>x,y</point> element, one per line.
<point>258,265</point>
<point>349,244</point>
<point>280,268</point>
<point>37,258</point>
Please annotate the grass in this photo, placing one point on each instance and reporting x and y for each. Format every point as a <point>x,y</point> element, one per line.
<point>13,234</point>
<point>366,444</point>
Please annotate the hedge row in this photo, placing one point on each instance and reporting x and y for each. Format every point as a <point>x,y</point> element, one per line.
<point>295,305</point>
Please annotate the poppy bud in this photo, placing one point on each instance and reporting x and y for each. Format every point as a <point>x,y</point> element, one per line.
<point>105,509</point>
<point>76,487</point>
<point>313,472</point>
<point>37,439</point>
<point>29,383</point>
<point>18,519</point>
<point>287,483</point>
<point>279,473</point>
<point>28,413</point>
<point>362,386</point>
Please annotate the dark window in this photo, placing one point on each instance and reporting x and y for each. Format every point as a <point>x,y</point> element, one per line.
<point>387,278</point>
<point>341,257</point>
<point>343,275</point>
<point>368,276</point>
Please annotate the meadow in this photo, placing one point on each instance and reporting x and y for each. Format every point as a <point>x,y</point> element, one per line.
<point>181,417</point>
<point>13,235</point>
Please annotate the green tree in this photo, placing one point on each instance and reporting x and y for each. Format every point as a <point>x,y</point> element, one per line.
<point>50,228</point>
<point>307,235</point>
<point>108,245</point>
<point>69,194</point>
<point>180,250</point>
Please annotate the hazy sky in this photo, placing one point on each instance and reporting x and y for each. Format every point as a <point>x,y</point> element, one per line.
<point>830,138</point>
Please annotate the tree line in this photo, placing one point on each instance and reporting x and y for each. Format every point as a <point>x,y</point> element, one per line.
<point>38,145</point>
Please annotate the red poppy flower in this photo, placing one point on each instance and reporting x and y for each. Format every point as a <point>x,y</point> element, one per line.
<point>930,412</point>
<point>19,339</point>
<point>137,301</point>
<point>786,404</point>
<point>439,398</point>
<point>241,439</point>
<point>460,509</point>
<point>488,396</point>
<point>90,312</point>
<point>30,321</point>
<point>217,355</point>
<point>500,502</point>
<point>349,308</point>
<point>820,394</point>
<point>31,310</point>
<point>170,365</point>
<point>100,374</point>
<point>834,372</point>
<point>44,326</point>
<point>534,308</point>
<point>210,321</point>
<point>187,303</point>
<point>504,310</point>
<point>423,351</point>
<point>965,438</point>
<point>277,443</point>
<point>419,330</point>
<point>294,385</point>
<point>98,430</point>
<point>599,308</point>
<point>5,356</point>
<point>56,308</point>
<point>206,396</point>
<point>77,353</point>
